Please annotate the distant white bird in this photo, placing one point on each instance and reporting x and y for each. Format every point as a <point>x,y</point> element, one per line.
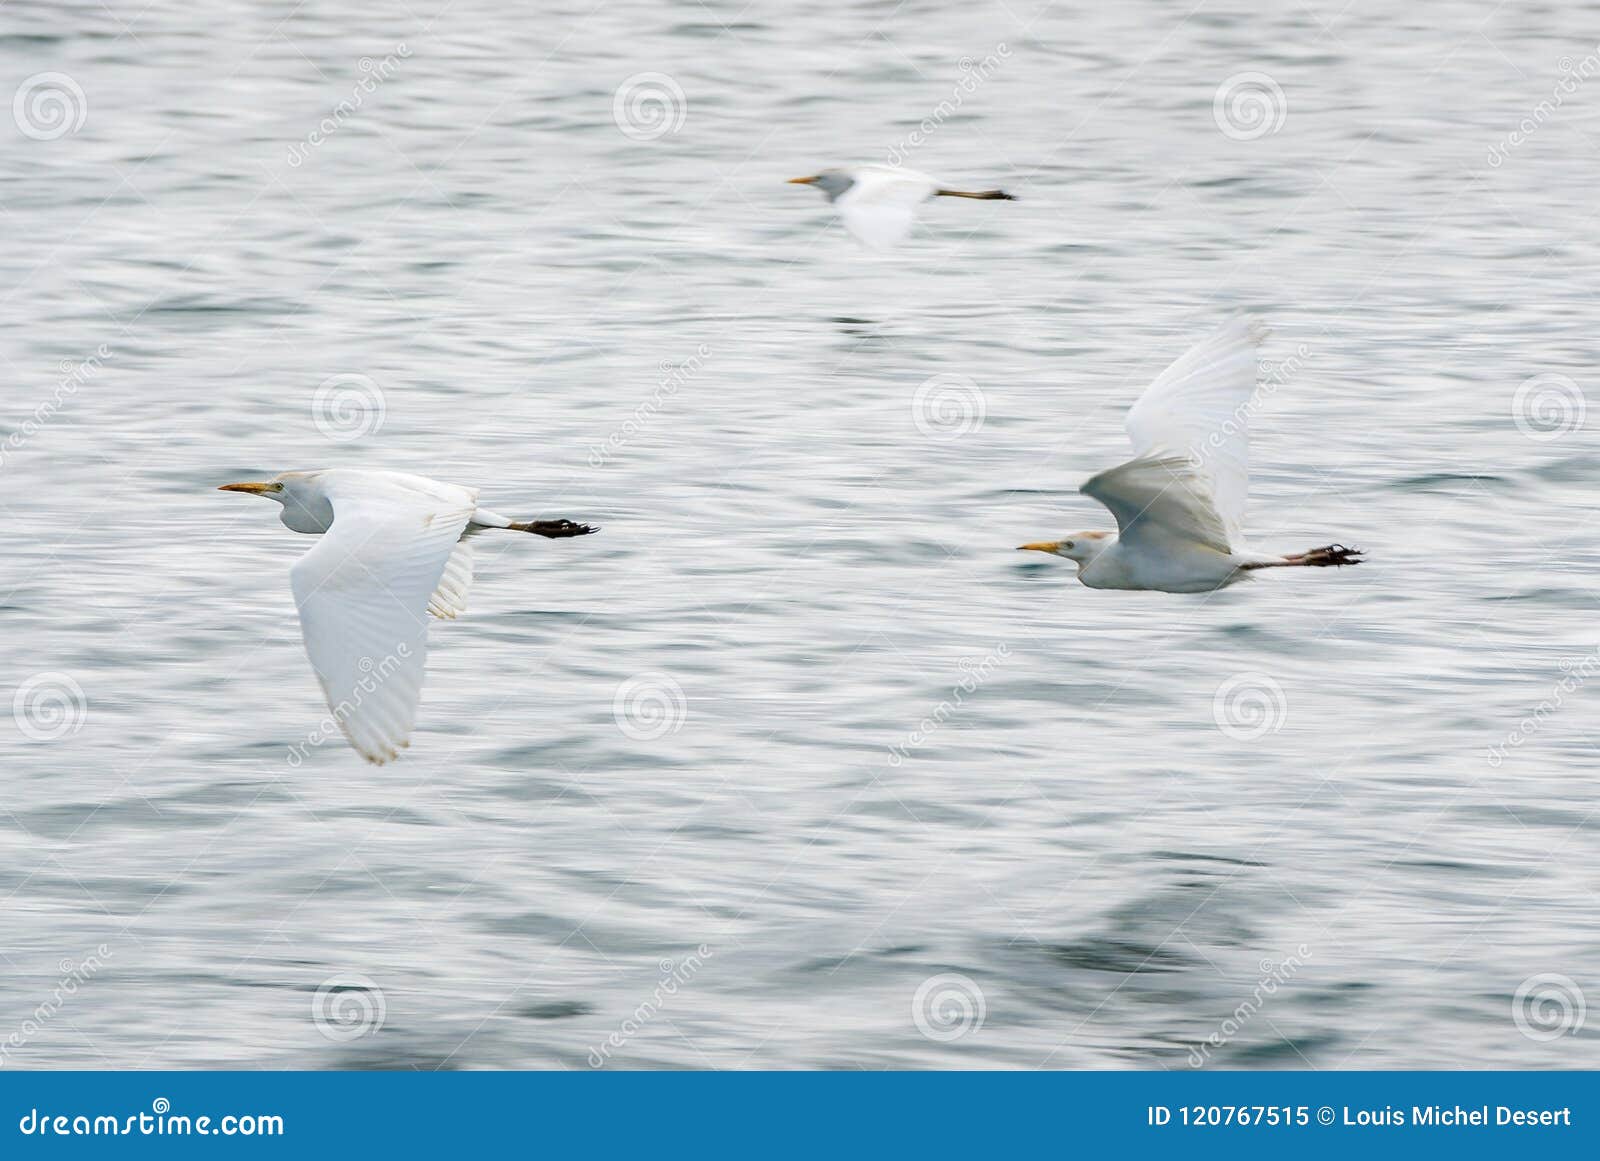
<point>878,203</point>
<point>1180,504</point>
<point>396,548</point>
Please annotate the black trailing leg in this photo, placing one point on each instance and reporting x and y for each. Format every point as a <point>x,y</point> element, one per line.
<point>1331,556</point>
<point>554,529</point>
<point>982,195</point>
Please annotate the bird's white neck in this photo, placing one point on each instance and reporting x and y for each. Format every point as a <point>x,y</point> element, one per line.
<point>306,507</point>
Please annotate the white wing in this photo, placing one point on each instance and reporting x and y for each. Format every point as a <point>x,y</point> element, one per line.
<point>1161,500</point>
<point>363,594</point>
<point>881,207</point>
<point>1199,407</point>
<point>449,600</point>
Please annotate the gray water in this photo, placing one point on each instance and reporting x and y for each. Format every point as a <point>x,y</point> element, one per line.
<point>798,763</point>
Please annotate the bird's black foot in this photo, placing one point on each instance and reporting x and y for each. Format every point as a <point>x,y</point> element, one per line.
<point>556,529</point>
<point>1331,556</point>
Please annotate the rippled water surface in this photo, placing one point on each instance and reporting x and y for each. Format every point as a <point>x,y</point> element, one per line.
<point>797,763</point>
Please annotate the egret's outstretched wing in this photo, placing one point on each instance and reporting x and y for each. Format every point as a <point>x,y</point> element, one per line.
<point>1157,500</point>
<point>449,600</point>
<point>363,594</point>
<point>1199,407</point>
<point>881,207</point>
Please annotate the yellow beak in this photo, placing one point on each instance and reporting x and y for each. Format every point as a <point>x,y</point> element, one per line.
<point>800,181</point>
<point>255,488</point>
<point>1040,546</point>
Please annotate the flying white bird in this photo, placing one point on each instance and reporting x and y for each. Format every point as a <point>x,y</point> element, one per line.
<point>395,548</point>
<point>1180,504</point>
<point>878,203</point>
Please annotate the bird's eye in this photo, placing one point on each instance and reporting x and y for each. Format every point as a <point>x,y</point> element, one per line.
<point>1066,544</point>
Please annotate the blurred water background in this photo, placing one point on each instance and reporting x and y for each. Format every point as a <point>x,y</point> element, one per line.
<point>798,763</point>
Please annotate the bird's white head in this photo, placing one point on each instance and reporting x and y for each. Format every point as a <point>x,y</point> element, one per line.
<point>305,506</point>
<point>1080,546</point>
<point>832,182</point>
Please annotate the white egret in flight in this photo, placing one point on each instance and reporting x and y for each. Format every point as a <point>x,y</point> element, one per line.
<point>878,203</point>
<point>394,549</point>
<point>1180,503</point>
